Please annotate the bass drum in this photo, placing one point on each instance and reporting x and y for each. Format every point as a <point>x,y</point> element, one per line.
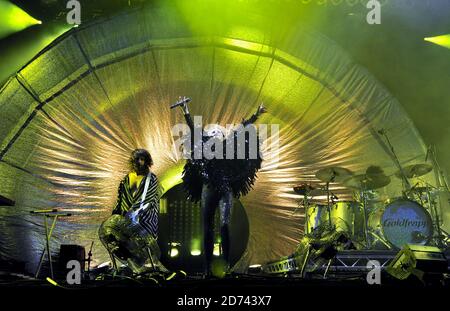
<point>402,222</point>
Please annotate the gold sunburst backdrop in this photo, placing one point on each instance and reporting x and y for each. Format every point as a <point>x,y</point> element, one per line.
<point>80,107</point>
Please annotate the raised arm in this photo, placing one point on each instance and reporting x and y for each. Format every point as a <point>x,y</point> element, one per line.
<point>261,109</point>
<point>187,117</point>
<point>182,103</point>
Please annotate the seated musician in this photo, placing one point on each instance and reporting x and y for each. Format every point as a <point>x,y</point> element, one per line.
<point>130,233</point>
<point>132,187</point>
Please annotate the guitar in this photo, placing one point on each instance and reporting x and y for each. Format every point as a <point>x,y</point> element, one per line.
<point>133,215</point>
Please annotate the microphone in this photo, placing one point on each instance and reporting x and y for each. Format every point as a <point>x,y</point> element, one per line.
<point>181,102</point>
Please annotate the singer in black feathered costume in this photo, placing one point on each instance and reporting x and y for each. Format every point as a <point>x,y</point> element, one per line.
<point>217,180</point>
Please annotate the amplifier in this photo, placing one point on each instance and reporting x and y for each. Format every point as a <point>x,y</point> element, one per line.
<point>68,252</point>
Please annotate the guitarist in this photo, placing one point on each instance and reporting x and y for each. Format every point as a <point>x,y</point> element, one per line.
<point>141,208</point>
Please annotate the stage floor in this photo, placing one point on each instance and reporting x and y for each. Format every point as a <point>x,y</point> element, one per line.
<point>237,291</point>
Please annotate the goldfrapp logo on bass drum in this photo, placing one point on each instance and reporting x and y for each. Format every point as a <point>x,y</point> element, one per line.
<point>404,223</point>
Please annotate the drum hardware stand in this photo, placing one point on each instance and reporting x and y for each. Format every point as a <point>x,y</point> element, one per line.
<point>333,200</point>
<point>305,205</point>
<point>375,235</point>
<point>364,198</point>
<point>405,181</point>
<point>445,239</point>
<point>381,239</point>
<point>441,182</point>
<point>151,258</point>
<point>328,198</point>
<point>435,216</point>
<point>89,257</point>
<point>305,262</point>
<point>327,268</point>
<point>366,229</point>
<point>328,203</point>
<point>306,208</point>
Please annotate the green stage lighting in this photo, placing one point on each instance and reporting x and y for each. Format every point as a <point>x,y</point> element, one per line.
<point>216,251</point>
<point>174,252</point>
<point>14,19</point>
<point>195,247</point>
<point>196,252</point>
<point>443,40</point>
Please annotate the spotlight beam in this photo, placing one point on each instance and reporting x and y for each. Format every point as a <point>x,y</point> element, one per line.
<point>14,19</point>
<point>443,40</point>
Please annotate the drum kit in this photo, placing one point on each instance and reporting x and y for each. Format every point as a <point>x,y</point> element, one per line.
<point>371,220</point>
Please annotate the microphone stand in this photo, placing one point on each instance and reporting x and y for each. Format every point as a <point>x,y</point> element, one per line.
<point>90,257</point>
<point>440,184</point>
<point>333,177</point>
<point>405,181</point>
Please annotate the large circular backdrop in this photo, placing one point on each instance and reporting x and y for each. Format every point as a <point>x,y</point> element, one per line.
<point>73,114</point>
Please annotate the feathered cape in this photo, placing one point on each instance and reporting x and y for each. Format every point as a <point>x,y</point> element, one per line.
<point>223,175</point>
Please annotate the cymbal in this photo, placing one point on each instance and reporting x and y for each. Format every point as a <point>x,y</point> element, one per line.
<point>333,174</point>
<point>367,182</point>
<point>303,189</point>
<point>415,170</point>
<point>318,192</point>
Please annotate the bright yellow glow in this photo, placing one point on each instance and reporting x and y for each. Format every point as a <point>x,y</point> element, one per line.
<point>13,19</point>
<point>244,44</point>
<point>163,206</point>
<point>51,281</point>
<point>171,276</point>
<point>171,177</point>
<point>174,252</point>
<point>443,40</point>
<point>216,249</point>
<point>195,247</point>
<point>255,266</point>
<point>195,252</point>
<point>219,268</point>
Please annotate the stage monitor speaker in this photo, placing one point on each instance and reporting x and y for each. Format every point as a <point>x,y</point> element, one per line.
<point>418,260</point>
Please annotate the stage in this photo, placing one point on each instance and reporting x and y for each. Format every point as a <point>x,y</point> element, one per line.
<point>206,150</point>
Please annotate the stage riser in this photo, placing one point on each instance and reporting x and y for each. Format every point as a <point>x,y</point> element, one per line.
<point>344,262</point>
